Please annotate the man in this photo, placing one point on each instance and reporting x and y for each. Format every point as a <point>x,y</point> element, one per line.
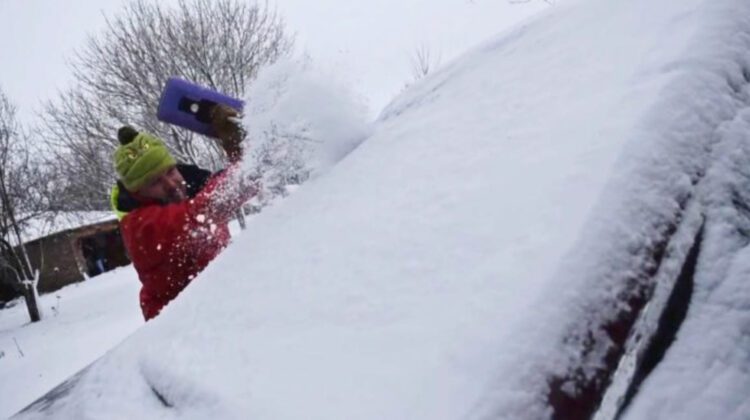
<point>173,217</point>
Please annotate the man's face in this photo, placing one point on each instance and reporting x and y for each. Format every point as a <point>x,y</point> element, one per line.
<point>168,187</point>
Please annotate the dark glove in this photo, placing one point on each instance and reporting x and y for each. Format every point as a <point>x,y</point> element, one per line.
<point>228,131</point>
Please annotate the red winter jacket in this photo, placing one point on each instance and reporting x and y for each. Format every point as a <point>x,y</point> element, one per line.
<point>170,244</point>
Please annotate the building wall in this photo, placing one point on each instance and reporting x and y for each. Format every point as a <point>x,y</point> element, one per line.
<point>55,258</point>
<point>60,258</point>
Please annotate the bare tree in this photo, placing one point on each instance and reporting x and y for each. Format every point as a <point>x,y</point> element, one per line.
<point>119,75</point>
<point>15,196</point>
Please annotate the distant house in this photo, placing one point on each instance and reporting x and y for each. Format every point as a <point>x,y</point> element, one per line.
<point>71,247</point>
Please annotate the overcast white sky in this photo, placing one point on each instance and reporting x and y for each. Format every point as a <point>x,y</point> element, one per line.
<point>367,43</point>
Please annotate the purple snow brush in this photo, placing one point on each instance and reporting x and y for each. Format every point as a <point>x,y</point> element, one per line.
<point>188,105</point>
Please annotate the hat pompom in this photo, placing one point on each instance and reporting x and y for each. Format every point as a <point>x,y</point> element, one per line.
<point>126,134</point>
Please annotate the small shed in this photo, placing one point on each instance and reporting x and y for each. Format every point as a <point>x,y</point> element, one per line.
<point>69,247</point>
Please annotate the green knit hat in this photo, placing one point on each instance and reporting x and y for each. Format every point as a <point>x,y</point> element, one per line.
<point>140,158</point>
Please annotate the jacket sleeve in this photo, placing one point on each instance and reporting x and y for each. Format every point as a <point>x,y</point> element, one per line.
<point>153,229</point>
<point>223,194</point>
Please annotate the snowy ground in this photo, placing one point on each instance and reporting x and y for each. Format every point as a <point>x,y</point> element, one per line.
<point>81,323</point>
<point>473,246</point>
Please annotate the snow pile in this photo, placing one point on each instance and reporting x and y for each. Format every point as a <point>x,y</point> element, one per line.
<point>689,66</point>
<point>299,123</point>
<point>705,375</point>
<point>471,249</point>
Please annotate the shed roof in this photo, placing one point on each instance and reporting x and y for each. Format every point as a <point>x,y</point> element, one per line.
<point>51,223</point>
